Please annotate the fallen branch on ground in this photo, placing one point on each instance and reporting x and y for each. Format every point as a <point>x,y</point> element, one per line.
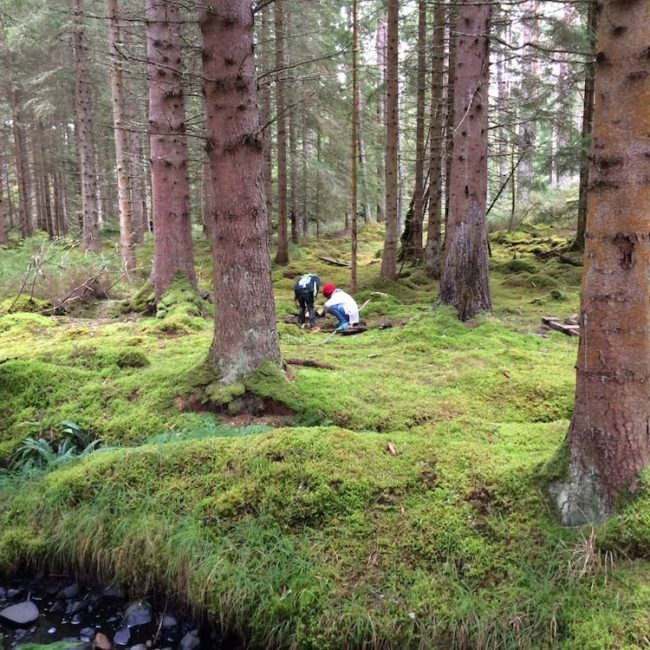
<point>310,363</point>
<point>333,261</point>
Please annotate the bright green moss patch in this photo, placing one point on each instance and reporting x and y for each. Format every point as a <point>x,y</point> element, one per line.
<point>318,536</point>
<point>23,304</point>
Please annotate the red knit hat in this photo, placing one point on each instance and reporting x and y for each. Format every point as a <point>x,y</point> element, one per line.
<point>328,289</point>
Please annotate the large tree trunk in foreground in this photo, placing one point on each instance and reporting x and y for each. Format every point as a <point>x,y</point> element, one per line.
<point>127,235</point>
<point>355,123</point>
<point>389,257</point>
<point>245,334</point>
<point>172,233</point>
<point>464,282</point>
<point>608,436</point>
<point>84,122</point>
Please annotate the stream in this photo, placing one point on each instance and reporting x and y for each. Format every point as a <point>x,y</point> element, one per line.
<point>45,610</point>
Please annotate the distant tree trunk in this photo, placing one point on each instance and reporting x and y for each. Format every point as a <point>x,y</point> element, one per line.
<point>43,175</point>
<point>37,176</point>
<point>464,283</point>
<point>587,120</point>
<point>381,113</point>
<point>22,167</point>
<point>412,247</point>
<point>138,192</point>
<point>304,178</point>
<point>83,105</point>
<point>282,254</point>
<point>432,250</point>
<point>388,262</point>
<point>608,435</point>
<point>353,161</point>
<point>4,224</point>
<point>318,189</point>
<point>172,233</point>
<point>502,96</point>
<point>127,235</point>
<point>5,177</point>
<point>245,333</point>
<point>293,177</point>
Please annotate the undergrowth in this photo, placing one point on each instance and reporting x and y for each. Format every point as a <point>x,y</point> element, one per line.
<point>408,510</point>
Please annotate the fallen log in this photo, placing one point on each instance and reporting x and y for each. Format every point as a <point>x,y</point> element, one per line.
<point>310,363</point>
<point>333,261</point>
<point>554,324</point>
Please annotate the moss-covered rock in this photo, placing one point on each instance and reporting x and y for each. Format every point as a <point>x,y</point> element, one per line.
<point>131,358</point>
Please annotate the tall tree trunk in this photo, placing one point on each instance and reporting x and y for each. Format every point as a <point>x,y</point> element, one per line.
<point>44,175</point>
<point>353,161</point>
<point>172,233</point>
<point>37,177</point>
<point>432,250</point>
<point>293,177</point>
<point>587,120</point>
<point>608,436</point>
<point>464,283</point>
<point>282,254</point>
<point>22,167</point>
<point>381,113</point>
<point>5,178</point>
<point>127,235</point>
<point>388,262</point>
<point>4,223</point>
<point>138,192</point>
<point>84,114</point>
<point>304,178</point>
<point>318,182</point>
<point>412,248</point>
<point>245,334</point>
<point>363,167</point>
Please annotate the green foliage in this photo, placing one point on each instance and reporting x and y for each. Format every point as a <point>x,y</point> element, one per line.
<point>23,303</point>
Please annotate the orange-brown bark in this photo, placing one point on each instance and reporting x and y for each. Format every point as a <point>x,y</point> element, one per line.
<point>609,439</point>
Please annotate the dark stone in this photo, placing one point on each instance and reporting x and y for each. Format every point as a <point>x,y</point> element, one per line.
<point>3,593</point>
<point>137,613</point>
<point>71,591</point>
<point>14,593</point>
<point>76,619</point>
<point>114,591</point>
<point>122,636</point>
<point>58,606</point>
<point>21,614</point>
<point>140,646</point>
<point>75,607</point>
<point>190,641</point>
<point>87,634</point>
<point>168,622</point>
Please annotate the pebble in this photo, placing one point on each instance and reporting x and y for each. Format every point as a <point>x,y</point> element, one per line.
<point>138,613</point>
<point>21,614</point>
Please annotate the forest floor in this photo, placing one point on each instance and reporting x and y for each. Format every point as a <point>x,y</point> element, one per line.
<point>395,501</point>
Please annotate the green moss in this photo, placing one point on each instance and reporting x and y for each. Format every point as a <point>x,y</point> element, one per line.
<point>132,359</point>
<point>23,304</point>
<point>520,266</point>
<point>143,301</point>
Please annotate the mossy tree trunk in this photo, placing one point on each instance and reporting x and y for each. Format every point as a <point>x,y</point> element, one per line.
<point>464,282</point>
<point>245,333</point>
<point>432,250</point>
<point>608,436</point>
<point>172,233</point>
<point>389,257</point>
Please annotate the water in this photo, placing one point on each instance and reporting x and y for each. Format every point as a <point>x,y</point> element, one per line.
<point>72,612</point>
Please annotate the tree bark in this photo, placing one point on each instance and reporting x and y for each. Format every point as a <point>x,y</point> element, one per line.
<point>282,254</point>
<point>464,283</point>
<point>264,58</point>
<point>245,334</point>
<point>608,436</point>
<point>22,166</point>
<point>449,118</point>
<point>172,233</point>
<point>388,262</point>
<point>83,105</point>
<point>432,250</point>
<point>127,235</point>
<point>4,223</point>
<point>355,120</point>
<point>587,120</point>
<point>381,113</point>
<point>412,248</point>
